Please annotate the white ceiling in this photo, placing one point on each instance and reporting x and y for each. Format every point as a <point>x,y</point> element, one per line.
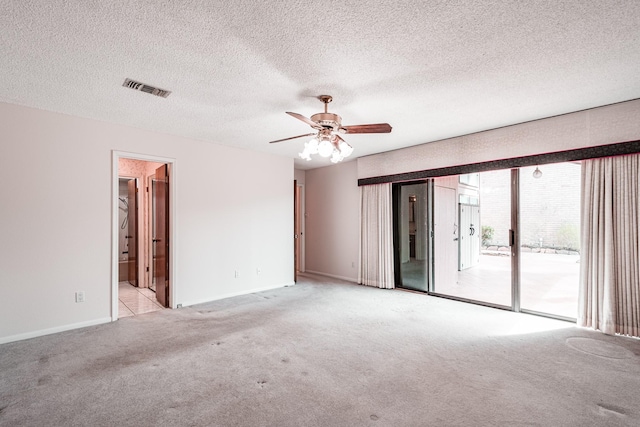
<point>432,69</point>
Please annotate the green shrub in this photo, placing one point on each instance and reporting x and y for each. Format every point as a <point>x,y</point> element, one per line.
<point>487,235</point>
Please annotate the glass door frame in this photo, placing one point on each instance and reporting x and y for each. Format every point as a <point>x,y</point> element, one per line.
<point>514,240</point>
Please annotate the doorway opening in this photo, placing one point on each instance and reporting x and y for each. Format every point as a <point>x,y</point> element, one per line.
<point>142,234</point>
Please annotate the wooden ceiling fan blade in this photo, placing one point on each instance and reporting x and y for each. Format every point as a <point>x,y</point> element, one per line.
<point>304,119</point>
<point>372,128</point>
<point>293,137</point>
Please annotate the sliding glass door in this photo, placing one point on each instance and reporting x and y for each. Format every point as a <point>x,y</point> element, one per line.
<point>550,238</point>
<point>471,237</point>
<point>506,238</point>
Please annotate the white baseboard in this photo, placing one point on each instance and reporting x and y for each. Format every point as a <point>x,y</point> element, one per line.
<point>49,331</point>
<point>333,276</point>
<point>237,294</point>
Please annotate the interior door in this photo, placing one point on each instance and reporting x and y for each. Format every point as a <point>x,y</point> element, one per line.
<point>132,235</point>
<point>161,235</point>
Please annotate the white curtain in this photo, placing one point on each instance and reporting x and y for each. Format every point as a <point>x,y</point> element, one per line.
<point>609,269</point>
<point>376,236</point>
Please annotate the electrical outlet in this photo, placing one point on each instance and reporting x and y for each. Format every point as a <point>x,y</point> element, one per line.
<point>237,274</point>
<point>258,271</point>
<point>80,296</point>
<point>353,264</point>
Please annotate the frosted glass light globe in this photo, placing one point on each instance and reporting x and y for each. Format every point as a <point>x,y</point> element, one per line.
<point>336,157</point>
<point>312,146</point>
<point>345,149</point>
<point>325,148</point>
<point>305,155</point>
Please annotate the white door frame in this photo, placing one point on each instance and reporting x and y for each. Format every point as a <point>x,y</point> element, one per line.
<point>303,219</point>
<point>116,156</point>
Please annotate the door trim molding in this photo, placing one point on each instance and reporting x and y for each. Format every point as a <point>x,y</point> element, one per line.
<point>302,227</point>
<point>116,155</point>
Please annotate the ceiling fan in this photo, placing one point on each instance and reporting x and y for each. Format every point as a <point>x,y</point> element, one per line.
<point>327,141</point>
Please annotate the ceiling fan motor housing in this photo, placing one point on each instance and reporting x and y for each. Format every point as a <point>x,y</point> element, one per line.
<point>327,120</point>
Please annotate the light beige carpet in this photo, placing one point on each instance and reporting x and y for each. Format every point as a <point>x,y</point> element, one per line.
<point>323,353</point>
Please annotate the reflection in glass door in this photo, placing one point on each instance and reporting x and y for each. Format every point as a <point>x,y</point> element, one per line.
<point>472,222</point>
<point>550,238</point>
<point>411,236</point>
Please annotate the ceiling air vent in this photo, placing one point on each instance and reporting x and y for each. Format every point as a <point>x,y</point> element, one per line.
<point>132,84</point>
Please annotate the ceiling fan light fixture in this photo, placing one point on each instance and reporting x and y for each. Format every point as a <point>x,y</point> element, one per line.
<point>336,157</point>
<point>345,149</point>
<point>327,142</point>
<point>312,146</point>
<point>325,148</point>
<point>305,155</point>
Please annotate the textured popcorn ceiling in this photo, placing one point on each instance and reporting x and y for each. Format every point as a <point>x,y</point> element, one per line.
<point>432,69</point>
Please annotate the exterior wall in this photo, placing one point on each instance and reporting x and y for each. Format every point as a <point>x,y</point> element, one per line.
<point>549,207</point>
